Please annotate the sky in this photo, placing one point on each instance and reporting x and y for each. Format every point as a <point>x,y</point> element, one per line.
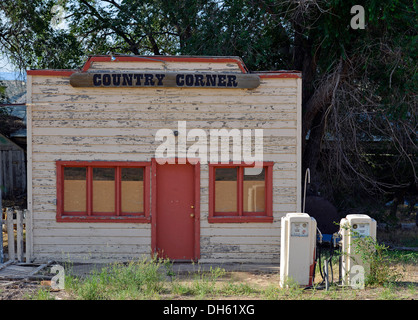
<point>8,71</point>
<point>5,66</point>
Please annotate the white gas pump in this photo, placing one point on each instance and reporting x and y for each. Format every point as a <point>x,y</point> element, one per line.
<point>298,243</point>
<point>352,227</point>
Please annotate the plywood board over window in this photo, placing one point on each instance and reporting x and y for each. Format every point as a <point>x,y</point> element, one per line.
<point>103,191</point>
<point>240,193</point>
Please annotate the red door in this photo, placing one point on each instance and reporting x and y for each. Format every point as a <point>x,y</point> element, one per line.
<point>175,217</point>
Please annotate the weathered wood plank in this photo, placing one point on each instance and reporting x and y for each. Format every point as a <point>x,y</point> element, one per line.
<point>46,222</point>
<point>228,248</point>
<point>228,231</point>
<point>10,235</point>
<point>92,240</point>
<point>29,238</point>
<point>88,257</point>
<point>165,65</point>
<point>91,249</point>
<point>244,257</point>
<point>19,232</point>
<point>167,123</point>
<point>192,91</point>
<point>54,131</point>
<point>221,108</point>
<point>158,116</point>
<point>147,144</point>
<point>158,99</point>
<point>135,140</point>
<point>150,148</point>
<point>248,258</point>
<point>240,241</point>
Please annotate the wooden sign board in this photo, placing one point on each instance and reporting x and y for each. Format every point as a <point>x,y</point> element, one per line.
<point>167,79</point>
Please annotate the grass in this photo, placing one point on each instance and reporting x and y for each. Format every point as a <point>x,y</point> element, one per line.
<point>155,279</point>
<point>135,280</point>
<point>399,237</point>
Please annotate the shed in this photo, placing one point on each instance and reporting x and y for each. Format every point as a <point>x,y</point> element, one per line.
<point>13,169</point>
<point>189,158</point>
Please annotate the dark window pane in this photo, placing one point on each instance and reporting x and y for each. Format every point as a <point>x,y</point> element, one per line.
<point>75,173</point>
<point>132,174</point>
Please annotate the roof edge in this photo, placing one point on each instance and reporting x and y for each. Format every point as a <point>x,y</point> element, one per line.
<point>130,58</point>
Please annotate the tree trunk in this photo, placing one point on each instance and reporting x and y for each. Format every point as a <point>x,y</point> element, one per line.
<point>311,155</point>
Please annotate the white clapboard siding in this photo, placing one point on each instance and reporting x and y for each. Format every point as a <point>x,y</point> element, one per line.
<point>112,124</point>
<point>224,109</point>
<point>155,116</point>
<point>136,140</point>
<point>152,99</point>
<point>169,92</point>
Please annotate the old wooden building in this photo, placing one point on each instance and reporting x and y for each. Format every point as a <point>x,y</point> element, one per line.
<point>126,158</point>
<point>12,170</point>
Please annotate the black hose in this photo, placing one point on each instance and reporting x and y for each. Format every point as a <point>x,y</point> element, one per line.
<point>330,261</point>
<point>319,259</point>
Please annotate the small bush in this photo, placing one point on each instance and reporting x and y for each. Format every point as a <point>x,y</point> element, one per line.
<point>379,262</point>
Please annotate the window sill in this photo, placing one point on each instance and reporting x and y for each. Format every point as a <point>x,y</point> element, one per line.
<point>240,219</point>
<point>112,219</point>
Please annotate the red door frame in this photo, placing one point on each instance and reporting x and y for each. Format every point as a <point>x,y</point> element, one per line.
<point>154,214</point>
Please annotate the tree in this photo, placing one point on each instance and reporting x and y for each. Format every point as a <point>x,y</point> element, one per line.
<point>359,85</point>
<point>29,39</point>
<point>359,105</point>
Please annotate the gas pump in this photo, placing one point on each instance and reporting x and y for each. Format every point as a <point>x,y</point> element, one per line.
<point>352,227</point>
<point>302,243</point>
<point>297,255</point>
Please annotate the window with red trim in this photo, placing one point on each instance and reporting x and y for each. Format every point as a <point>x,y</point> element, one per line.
<point>103,191</point>
<point>240,193</point>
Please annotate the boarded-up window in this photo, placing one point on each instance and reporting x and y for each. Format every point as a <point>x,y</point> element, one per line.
<point>254,190</point>
<point>103,189</point>
<point>132,190</point>
<point>240,193</point>
<point>75,189</point>
<point>226,190</point>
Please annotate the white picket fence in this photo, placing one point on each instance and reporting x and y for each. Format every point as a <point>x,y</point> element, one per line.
<point>19,246</point>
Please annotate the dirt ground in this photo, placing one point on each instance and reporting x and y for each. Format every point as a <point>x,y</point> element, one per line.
<point>406,289</point>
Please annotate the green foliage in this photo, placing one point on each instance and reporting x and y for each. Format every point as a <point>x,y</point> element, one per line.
<point>41,294</point>
<point>30,40</point>
<point>379,263</point>
<point>136,280</point>
<point>359,99</point>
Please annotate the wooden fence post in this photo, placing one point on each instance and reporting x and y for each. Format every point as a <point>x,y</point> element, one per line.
<point>28,227</point>
<point>10,234</point>
<point>19,229</point>
<point>17,251</point>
